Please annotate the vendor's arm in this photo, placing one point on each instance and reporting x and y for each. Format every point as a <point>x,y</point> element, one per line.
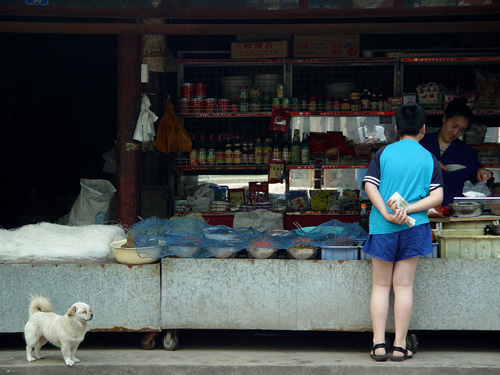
<point>398,217</point>
<point>483,175</point>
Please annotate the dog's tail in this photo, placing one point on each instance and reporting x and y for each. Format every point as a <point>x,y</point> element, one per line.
<point>40,304</point>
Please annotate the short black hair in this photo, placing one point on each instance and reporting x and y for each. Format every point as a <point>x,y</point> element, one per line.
<point>458,107</point>
<point>410,118</point>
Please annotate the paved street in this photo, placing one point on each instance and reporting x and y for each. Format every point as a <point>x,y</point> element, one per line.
<point>259,352</point>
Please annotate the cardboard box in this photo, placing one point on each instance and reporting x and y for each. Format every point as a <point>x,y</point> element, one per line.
<point>252,50</point>
<point>309,46</point>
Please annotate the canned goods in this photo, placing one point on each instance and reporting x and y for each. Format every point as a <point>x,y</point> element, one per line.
<point>337,104</point>
<point>355,95</point>
<point>187,90</point>
<point>198,105</point>
<point>224,105</point>
<point>254,105</point>
<point>280,90</point>
<point>355,106</point>
<point>285,103</point>
<point>312,104</point>
<point>295,104</point>
<point>184,105</point>
<point>202,156</point>
<point>201,89</point>
<point>304,105</point>
<point>276,103</point>
<point>234,107</point>
<point>244,93</point>
<point>328,105</point>
<point>345,105</point>
<point>211,158</point>
<point>244,105</point>
<point>210,105</point>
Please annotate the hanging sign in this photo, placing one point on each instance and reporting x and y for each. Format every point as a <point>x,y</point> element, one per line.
<point>37,2</point>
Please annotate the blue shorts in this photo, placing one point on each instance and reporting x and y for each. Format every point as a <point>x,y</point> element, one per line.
<point>408,243</point>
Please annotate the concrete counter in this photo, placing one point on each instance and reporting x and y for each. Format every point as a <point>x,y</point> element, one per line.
<point>279,294</point>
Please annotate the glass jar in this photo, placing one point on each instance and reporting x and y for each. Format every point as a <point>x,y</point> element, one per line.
<point>244,92</point>
<point>255,92</point>
<point>255,105</point>
<point>243,105</point>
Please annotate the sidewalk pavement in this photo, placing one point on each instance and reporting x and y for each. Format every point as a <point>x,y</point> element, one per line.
<point>258,353</point>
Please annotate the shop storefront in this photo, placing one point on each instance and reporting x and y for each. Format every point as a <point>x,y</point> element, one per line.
<point>308,171</point>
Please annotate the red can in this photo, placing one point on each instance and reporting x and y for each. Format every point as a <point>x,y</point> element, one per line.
<point>224,105</point>
<point>201,89</point>
<point>210,105</point>
<point>235,107</point>
<point>198,105</point>
<point>187,90</point>
<point>184,105</point>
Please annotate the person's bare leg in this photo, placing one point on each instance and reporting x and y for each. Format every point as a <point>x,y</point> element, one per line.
<point>403,276</point>
<point>379,302</point>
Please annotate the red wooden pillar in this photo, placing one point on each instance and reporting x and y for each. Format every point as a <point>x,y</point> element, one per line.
<point>128,151</point>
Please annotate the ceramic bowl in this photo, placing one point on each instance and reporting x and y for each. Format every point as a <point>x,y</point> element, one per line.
<point>133,256</point>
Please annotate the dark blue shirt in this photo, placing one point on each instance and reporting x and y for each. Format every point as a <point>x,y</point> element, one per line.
<point>458,152</point>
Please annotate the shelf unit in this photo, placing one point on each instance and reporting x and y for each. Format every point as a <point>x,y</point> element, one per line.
<point>389,76</point>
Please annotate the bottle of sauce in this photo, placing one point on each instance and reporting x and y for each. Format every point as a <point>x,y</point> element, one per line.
<point>267,151</point>
<point>285,152</point>
<point>374,102</point>
<point>304,150</point>
<point>228,152</point>
<point>244,154</point>
<point>193,155</point>
<point>295,149</point>
<point>276,153</point>
<point>237,153</point>
<point>258,152</point>
<point>202,151</point>
<point>220,155</point>
<point>365,100</point>
<point>251,153</point>
<point>364,218</point>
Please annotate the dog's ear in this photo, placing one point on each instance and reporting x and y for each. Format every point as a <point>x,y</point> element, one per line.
<point>71,311</point>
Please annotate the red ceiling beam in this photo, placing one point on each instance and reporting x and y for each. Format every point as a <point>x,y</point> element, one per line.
<point>249,29</point>
<point>397,10</point>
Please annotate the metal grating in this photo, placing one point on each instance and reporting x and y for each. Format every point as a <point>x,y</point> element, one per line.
<point>312,79</point>
<point>212,75</point>
<point>449,74</point>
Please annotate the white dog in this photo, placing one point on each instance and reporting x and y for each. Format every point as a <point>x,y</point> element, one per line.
<point>65,332</point>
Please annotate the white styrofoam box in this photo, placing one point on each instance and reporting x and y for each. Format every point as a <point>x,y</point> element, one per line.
<point>467,243</point>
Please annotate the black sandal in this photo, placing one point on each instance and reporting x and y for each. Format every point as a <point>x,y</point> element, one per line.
<point>411,345</point>
<point>400,358</point>
<point>379,358</point>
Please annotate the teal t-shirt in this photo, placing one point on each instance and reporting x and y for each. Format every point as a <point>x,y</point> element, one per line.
<point>409,169</point>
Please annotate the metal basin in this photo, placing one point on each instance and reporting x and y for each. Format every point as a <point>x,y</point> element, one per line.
<point>466,209</point>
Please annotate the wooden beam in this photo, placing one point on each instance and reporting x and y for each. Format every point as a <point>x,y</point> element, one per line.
<point>250,29</point>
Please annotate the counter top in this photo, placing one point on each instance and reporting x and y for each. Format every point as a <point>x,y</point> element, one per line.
<point>449,219</point>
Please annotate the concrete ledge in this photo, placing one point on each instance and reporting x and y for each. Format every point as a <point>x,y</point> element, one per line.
<point>241,361</point>
<point>280,294</point>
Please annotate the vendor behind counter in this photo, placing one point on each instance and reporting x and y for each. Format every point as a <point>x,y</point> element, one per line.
<point>446,146</point>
